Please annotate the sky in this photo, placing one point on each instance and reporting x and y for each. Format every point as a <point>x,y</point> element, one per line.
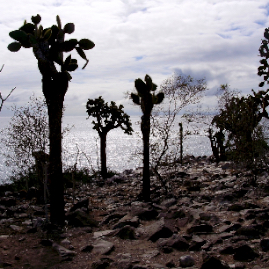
<point>213,39</point>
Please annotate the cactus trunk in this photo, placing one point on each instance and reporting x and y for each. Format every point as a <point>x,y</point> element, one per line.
<point>145,128</point>
<point>146,99</point>
<point>103,154</point>
<point>48,47</point>
<point>54,91</point>
<point>181,142</point>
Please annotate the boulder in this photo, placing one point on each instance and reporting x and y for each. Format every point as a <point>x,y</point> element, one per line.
<point>186,261</point>
<point>143,211</point>
<point>65,253</point>
<point>103,247</point>
<point>265,244</point>
<point>127,220</point>
<point>113,216</point>
<point>211,262</point>
<point>196,243</point>
<point>102,233</point>
<point>251,231</point>
<point>102,264</point>
<point>202,228</point>
<point>154,231</point>
<point>80,218</point>
<point>227,250</point>
<point>176,242</point>
<point>169,202</point>
<point>122,265</point>
<point>126,232</point>
<point>87,248</point>
<point>84,203</point>
<point>8,201</point>
<point>244,253</point>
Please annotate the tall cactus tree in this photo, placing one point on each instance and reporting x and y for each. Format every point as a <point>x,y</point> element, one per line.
<point>108,117</point>
<point>49,46</point>
<point>146,98</point>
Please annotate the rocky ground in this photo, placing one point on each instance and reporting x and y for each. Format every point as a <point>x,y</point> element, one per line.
<point>212,217</point>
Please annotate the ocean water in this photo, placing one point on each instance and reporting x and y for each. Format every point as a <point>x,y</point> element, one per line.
<point>81,146</point>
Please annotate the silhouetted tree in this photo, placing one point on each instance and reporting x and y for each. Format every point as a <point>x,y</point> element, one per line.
<point>237,126</point>
<point>2,99</point>
<point>240,117</point>
<point>199,121</point>
<point>48,47</point>
<point>146,98</point>
<point>108,117</point>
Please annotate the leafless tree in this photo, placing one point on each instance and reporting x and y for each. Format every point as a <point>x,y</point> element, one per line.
<point>27,133</point>
<point>27,138</point>
<point>198,119</point>
<point>2,99</point>
<point>180,91</point>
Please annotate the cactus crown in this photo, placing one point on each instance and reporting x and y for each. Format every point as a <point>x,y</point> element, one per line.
<point>146,90</point>
<point>49,44</point>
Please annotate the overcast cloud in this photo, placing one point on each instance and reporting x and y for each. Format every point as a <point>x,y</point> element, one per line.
<point>218,40</point>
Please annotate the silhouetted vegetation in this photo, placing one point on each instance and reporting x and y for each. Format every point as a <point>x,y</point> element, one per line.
<point>235,130</point>
<point>71,179</point>
<point>239,136</point>
<point>108,117</point>
<point>166,145</point>
<point>27,138</point>
<point>146,98</point>
<point>49,46</point>
<point>2,99</point>
<point>27,132</point>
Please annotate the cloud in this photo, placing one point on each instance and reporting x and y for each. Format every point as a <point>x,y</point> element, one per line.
<point>218,40</point>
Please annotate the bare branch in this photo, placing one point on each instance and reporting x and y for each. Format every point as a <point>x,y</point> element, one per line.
<point>27,133</point>
<point>2,100</point>
<point>180,92</point>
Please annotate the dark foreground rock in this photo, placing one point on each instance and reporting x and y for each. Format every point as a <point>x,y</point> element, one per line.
<point>212,218</point>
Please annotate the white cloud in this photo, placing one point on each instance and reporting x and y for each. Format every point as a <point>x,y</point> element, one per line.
<point>215,39</point>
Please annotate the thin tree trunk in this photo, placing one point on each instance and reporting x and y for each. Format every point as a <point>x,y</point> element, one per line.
<point>145,128</point>
<point>54,91</point>
<point>103,155</point>
<point>181,142</point>
<point>213,145</point>
<point>45,166</point>
<point>249,150</point>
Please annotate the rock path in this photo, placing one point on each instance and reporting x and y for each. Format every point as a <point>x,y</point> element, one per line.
<point>214,217</point>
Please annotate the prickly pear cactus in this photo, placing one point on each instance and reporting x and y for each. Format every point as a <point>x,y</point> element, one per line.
<point>146,98</point>
<point>146,94</point>
<point>49,45</point>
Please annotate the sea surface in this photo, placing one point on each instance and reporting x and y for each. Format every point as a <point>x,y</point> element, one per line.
<point>81,146</point>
